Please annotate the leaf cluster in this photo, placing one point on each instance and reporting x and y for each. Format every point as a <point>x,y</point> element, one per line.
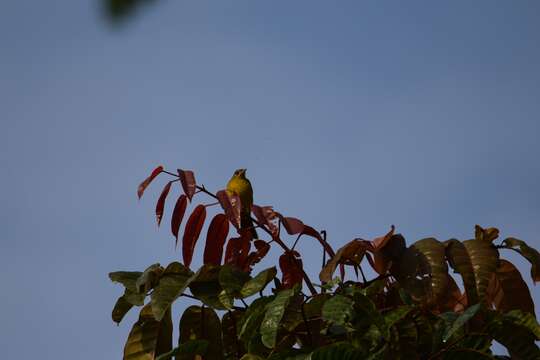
<point>413,309</point>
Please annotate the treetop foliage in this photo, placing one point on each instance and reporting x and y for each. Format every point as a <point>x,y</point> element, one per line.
<point>412,309</point>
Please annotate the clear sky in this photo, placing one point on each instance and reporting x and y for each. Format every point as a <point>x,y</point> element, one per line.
<point>351,115</point>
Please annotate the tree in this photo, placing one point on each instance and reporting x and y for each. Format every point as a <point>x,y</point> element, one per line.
<point>413,309</point>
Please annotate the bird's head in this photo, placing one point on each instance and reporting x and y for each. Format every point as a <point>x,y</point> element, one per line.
<point>240,173</point>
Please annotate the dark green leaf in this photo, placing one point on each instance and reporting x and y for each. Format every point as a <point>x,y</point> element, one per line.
<point>461,321</point>
<point>191,347</point>
<point>338,310</point>
<point>173,283</point>
<point>529,253</point>
<point>120,309</point>
<point>200,323</point>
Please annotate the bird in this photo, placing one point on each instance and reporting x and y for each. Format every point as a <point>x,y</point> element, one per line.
<point>239,184</point>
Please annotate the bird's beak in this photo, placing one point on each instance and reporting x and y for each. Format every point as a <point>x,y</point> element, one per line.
<point>243,171</point>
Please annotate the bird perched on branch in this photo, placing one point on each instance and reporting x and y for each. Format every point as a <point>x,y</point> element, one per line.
<point>241,186</point>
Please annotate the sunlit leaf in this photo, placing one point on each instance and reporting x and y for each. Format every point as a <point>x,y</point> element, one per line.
<point>266,216</point>
<point>149,338</point>
<point>187,179</point>
<point>178,215</point>
<point>488,234</point>
<point>433,263</point>
<point>148,180</point>
<point>149,278</point>
<point>160,205</point>
<point>215,239</point>
<point>258,283</point>
<point>191,233</point>
<point>273,316</point>
<point>352,253</point>
<point>231,204</point>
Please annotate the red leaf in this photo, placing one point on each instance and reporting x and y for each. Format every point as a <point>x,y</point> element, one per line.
<point>178,215</point>
<point>187,178</point>
<point>232,206</point>
<point>215,239</point>
<point>191,233</point>
<point>266,216</point>
<point>380,242</point>
<point>292,269</point>
<point>161,202</point>
<point>254,257</point>
<point>292,225</point>
<point>148,180</point>
<point>237,251</point>
<point>309,231</point>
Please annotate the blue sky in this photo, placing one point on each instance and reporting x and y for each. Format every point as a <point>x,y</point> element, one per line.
<point>351,116</point>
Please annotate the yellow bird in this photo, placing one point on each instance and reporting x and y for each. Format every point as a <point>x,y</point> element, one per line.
<point>241,186</point>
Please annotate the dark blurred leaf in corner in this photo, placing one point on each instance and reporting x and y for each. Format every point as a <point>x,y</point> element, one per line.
<point>117,10</point>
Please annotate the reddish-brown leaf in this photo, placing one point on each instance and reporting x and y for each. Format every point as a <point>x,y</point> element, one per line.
<point>292,225</point>
<point>507,290</point>
<point>350,254</point>
<point>291,268</point>
<point>262,248</point>
<point>148,180</point>
<point>309,231</point>
<point>215,239</point>
<point>266,216</point>
<point>178,215</point>
<point>488,234</point>
<point>187,178</point>
<point>237,251</point>
<point>380,242</point>
<point>392,250</point>
<point>160,205</point>
<point>232,206</point>
<point>191,233</point>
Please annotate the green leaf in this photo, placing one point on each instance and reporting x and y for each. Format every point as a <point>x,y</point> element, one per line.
<point>529,253</point>
<point>524,319</point>
<point>461,321</point>
<point>251,357</point>
<point>232,279</point>
<point>476,261</point>
<point>518,339</point>
<point>341,351</point>
<point>338,310</point>
<point>273,315</point>
<point>191,347</point>
<point>394,316</point>
<point>433,264</point>
<point>173,283</point>
<point>206,286</point>
<point>120,309</point>
<point>253,317</point>
<point>149,338</point>
<point>126,278</point>
<point>149,278</point>
<point>232,347</point>
<point>200,323</point>
<point>258,283</point>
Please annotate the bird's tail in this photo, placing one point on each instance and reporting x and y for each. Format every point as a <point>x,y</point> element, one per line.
<point>247,223</point>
